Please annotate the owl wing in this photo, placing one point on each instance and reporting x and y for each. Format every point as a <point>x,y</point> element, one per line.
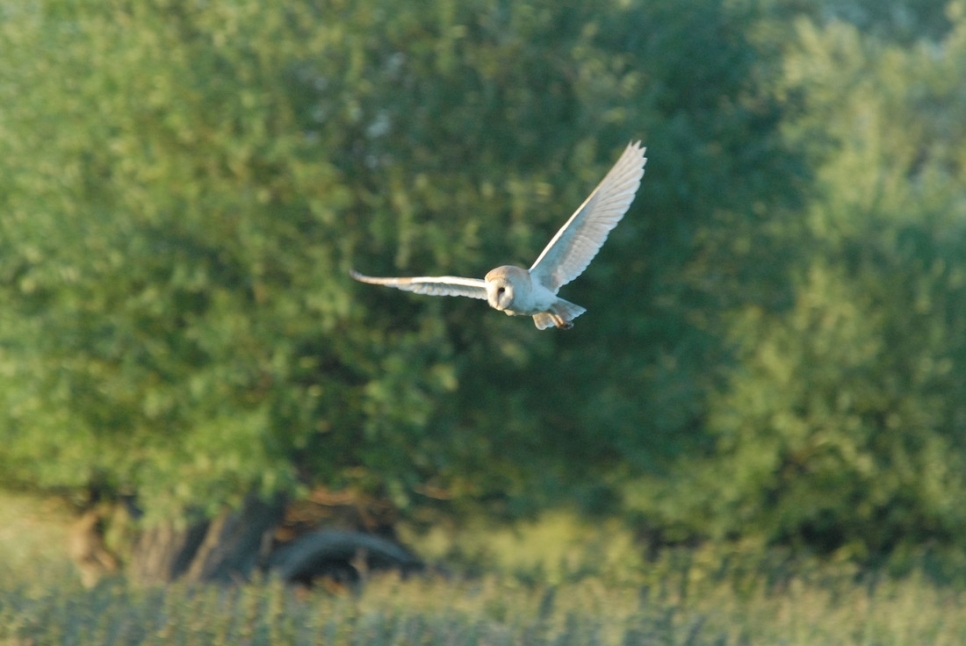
<point>432,285</point>
<point>576,244</point>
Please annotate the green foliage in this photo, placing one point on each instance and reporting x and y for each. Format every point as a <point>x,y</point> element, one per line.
<point>185,186</point>
<point>775,332</point>
<point>159,335</point>
<point>900,21</point>
<point>842,427</point>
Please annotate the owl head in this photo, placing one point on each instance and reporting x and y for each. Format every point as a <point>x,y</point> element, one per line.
<point>504,284</point>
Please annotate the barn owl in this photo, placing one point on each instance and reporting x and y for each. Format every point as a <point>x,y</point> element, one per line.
<point>533,292</point>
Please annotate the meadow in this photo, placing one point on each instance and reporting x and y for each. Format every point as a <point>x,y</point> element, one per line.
<point>698,596</point>
<point>682,608</point>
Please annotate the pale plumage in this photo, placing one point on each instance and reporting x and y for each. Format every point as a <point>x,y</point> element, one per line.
<point>517,291</point>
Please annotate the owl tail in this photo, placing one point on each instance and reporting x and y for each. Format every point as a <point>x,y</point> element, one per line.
<point>561,314</point>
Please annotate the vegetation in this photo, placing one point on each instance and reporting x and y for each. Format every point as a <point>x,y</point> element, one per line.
<point>557,581</point>
<point>841,426</point>
<point>776,332</point>
<point>682,601</point>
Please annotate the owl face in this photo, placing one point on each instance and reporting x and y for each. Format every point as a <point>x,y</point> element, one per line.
<point>499,293</point>
<point>503,285</point>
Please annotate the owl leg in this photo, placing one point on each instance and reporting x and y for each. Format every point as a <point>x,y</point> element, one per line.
<point>561,322</point>
<point>543,320</point>
<point>564,313</point>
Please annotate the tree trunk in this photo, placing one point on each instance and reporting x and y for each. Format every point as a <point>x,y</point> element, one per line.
<point>163,552</point>
<point>226,548</point>
<point>87,550</point>
<point>237,541</point>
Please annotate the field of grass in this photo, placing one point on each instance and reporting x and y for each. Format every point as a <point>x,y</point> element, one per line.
<point>490,611</point>
<point>694,597</point>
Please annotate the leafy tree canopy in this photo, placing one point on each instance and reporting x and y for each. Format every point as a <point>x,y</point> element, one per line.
<point>185,186</point>
<point>844,423</point>
<point>774,332</point>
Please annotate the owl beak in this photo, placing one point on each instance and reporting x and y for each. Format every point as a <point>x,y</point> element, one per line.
<point>493,298</point>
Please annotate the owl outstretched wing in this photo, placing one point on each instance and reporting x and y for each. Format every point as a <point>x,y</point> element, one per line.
<point>579,240</point>
<point>431,285</point>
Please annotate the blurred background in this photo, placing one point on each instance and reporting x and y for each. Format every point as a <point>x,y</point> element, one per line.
<point>774,355</point>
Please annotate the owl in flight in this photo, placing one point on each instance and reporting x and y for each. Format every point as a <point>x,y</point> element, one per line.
<point>533,292</point>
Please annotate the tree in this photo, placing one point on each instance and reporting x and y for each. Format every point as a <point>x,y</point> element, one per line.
<point>842,426</point>
<point>185,186</point>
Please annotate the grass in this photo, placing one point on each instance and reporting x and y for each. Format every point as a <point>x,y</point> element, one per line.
<point>710,596</point>
<point>684,605</point>
<point>33,532</point>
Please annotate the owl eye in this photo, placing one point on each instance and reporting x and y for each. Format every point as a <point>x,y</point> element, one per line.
<point>500,290</point>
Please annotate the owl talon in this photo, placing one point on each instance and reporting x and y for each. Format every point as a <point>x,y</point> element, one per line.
<point>561,322</point>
